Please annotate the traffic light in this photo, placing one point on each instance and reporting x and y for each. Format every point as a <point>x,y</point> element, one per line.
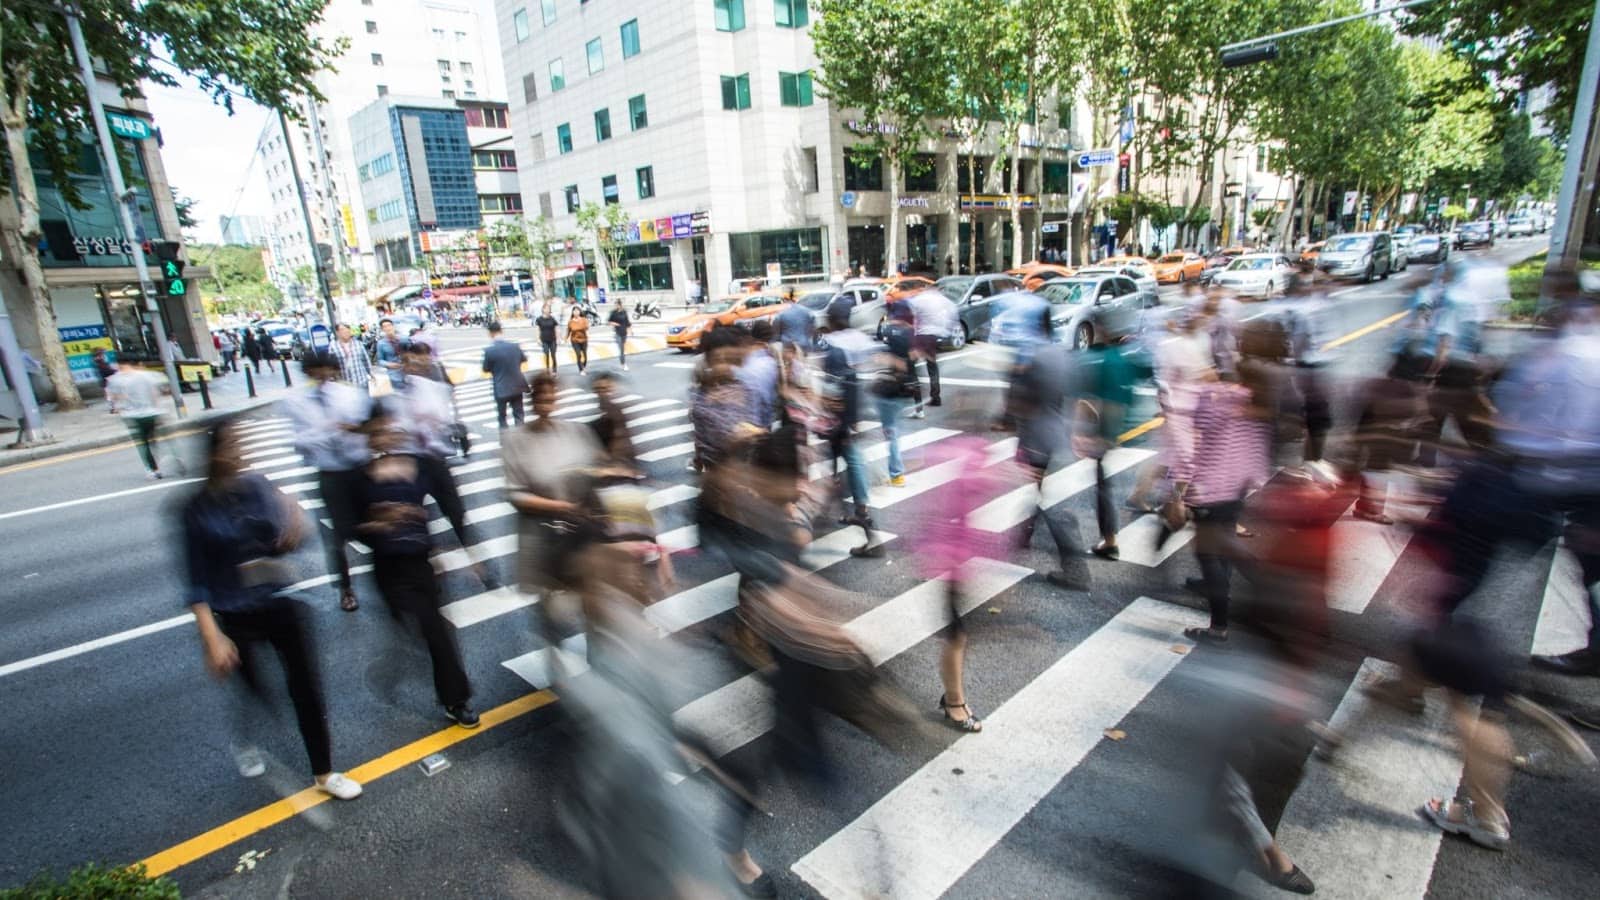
<point>1249,56</point>
<point>172,278</point>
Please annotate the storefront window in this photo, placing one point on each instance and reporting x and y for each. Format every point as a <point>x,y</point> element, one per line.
<point>645,267</point>
<point>127,322</point>
<point>1057,178</point>
<point>92,236</point>
<point>798,250</point>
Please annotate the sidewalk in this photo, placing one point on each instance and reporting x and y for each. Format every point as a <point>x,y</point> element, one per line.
<point>94,427</point>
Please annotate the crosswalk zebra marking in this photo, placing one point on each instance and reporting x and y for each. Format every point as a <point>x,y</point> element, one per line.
<point>1364,553</point>
<point>1563,624</point>
<point>1136,542</point>
<point>1018,505</point>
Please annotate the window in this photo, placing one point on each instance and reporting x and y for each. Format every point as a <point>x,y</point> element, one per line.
<point>1057,177</point>
<point>736,91</point>
<point>498,160</point>
<point>596,55</point>
<point>448,95</point>
<point>383,165</point>
<point>530,87</point>
<point>646,179</point>
<point>474,117</point>
<point>466,67</point>
<point>467,83</point>
<point>862,174</point>
<point>383,90</point>
<point>377,59</point>
<point>372,27</point>
<point>571,191</point>
<point>563,138</point>
<point>798,250</point>
<point>444,67</point>
<point>794,88</point>
<point>645,267</point>
<point>791,13</point>
<point>608,190</point>
<point>630,38</point>
<point>519,23</point>
<point>558,75</point>
<point>461,36</point>
<point>638,117</point>
<point>545,209</point>
<point>547,8</point>
<point>494,117</point>
<point>602,125</point>
<point>538,147</point>
<point>500,203</point>
<point>922,173</point>
<point>394,209</point>
<point>729,14</point>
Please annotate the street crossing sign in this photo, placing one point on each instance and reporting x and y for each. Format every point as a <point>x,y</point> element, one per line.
<point>1090,158</point>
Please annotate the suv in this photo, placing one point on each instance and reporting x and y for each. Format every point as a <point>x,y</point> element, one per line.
<point>1363,255</point>
<point>971,295</point>
<point>1475,234</point>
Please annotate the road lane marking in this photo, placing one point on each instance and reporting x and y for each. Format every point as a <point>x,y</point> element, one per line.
<point>1136,542</point>
<point>1360,333</point>
<point>109,640</point>
<point>905,844</point>
<point>65,504</point>
<point>1564,611</point>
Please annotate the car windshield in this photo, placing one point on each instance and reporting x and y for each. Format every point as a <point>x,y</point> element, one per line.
<point>1171,258</point>
<point>955,288</point>
<point>1069,291</point>
<point>1425,239</point>
<point>1251,263</point>
<point>817,300</point>
<point>1347,243</point>
<point>720,306</point>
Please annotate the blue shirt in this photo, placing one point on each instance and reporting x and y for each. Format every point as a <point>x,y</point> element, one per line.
<point>795,325</point>
<point>389,352</point>
<point>227,529</point>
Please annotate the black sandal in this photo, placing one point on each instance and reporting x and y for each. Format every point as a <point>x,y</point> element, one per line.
<point>970,724</point>
<point>1206,635</point>
<point>348,601</point>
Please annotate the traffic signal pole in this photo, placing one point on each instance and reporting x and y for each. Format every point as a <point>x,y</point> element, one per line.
<point>305,216</point>
<point>1576,197</point>
<point>119,190</point>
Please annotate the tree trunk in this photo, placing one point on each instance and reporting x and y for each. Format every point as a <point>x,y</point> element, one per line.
<point>1038,173</point>
<point>1016,201</point>
<point>22,245</point>
<point>972,215</point>
<point>891,243</point>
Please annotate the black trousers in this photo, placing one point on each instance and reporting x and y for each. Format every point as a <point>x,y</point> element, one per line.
<point>580,352</point>
<point>512,404</point>
<point>928,346</point>
<point>447,496</point>
<point>549,348</point>
<point>1105,511</point>
<point>338,498</point>
<point>1214,538</point>
<point>411,591</point>
<point>283,629</point>
<point>143,429</point>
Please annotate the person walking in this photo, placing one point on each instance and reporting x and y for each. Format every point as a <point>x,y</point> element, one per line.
<point>355,369</point>
<point>326,416</point>
<point>392,489</point>
<point>104,368</point>
<point>135,394</point>
<point>504,360</point>
<point>252,349</point>
<point>846,349</point>
<point>424,407</point>
<point>1041,392</point>
<point>620,325</point>
<point>387,352</point>
<point>895,386</point>
<point>611,428</point>
<point>1107,380</point>
<point>936,321</point>
<point>236,531</point>
<point>547,325</point>
<point>229,348</point>
<point>578,335</point>
<point>269,349</point>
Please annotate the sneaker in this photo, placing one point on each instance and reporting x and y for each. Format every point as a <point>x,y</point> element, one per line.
<point>250,763</point>
<point>897,481</point>
<point>154,476</point>
<point>462,715</point>
<point>917,414</point>
<point>340,786</point>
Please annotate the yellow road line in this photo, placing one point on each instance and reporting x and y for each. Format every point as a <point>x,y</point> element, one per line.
<point>1360,333</point>
<point>1147,427</point>
<point>267,816</point>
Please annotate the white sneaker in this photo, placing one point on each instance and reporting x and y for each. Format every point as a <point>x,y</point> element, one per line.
<point>250,763</point>
<point>340,786</point>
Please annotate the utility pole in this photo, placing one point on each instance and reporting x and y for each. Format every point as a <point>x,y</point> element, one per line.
<point>305,216</point>
<point>119,190</point>
<point>1583,153</point>
<point>32,430</point>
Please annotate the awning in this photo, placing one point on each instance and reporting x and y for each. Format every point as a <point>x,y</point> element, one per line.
<point>469,291</point>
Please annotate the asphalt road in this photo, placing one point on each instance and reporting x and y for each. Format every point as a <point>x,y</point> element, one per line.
<point>116,746</point>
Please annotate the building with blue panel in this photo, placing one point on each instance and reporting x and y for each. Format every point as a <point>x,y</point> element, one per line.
<point>414,164</point>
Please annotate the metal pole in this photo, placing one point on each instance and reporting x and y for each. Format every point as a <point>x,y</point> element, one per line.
<point>119,190</point>
<point>1583,152</point>
<point>305,215</point>
<point>1267,38</point>
<point>32,431</point>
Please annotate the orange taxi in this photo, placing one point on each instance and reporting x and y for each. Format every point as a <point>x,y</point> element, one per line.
<point>902,286</point>
<point>1033,275</point>
<point>685,333</point>
<point>1178,266</point>
<point>1311,252</point>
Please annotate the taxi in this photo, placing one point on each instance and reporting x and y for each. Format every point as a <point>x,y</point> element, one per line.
<point>684,334</point>
<point>1178,266</point>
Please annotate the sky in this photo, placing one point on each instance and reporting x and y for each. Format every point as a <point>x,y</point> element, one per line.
<point>209,155</point>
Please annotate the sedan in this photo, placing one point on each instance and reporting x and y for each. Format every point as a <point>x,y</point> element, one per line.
<point>1034,274</point>
<point>1096,309</point>
<point>865,302</point>
<point>1256,275</point>
<point>1429,248</point>
<point>1178,267</point>
<point>971,295</point>
<point>685,333</point>
<point>1218,261</point>
<point>1143,276</point>
<point>1475,234</point>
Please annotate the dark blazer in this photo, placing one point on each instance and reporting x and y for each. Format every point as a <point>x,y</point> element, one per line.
<point>504,360</point>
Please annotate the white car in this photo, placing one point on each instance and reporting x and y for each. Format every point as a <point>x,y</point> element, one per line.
<point>1256,275</point>
<point>1520,226</point>
<point>1144,277</point>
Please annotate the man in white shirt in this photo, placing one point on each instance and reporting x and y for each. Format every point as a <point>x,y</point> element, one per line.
<point>327,416</point>
<point>936,320</point>
<point>428,414</point>
<point>135,394</point>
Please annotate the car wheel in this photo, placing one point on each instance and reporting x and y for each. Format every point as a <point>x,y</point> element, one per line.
<point>1085,337</point>
<point>1270,288</point>
<point>1367,278</point>
<point>959,339</point>
<point>1182,278</point>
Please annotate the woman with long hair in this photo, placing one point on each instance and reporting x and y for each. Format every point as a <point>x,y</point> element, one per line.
<point>578,334</point>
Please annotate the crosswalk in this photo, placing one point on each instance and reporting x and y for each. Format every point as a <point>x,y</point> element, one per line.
<point>925,833</point>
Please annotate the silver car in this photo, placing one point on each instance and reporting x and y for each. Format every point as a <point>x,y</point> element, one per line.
<point>1143,276</point>
<point>866,307</point>
<point>1090,309</point>
<point>1256,275</point>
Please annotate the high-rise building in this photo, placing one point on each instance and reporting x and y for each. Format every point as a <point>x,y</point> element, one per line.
<point>702,119</point>
<point>244,231</point>
<point>441,49</point>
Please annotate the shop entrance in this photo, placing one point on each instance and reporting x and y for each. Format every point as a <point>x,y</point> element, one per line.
<point>866,245</point>
<point>922,247</point>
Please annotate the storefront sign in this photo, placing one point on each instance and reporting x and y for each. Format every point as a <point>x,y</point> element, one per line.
<point>682,226</point>
<point>700,222</point>
<point>996,201</point>
<point>847,199</point>
<point>1104,157</point>
<point>1050,228</point>
<point>633,232</point>
<point>102,246</point>
<point>128,126</point>
<point>915,202</point>
<point>349,220</point>
<point>664,229</point>
<point>861,127</point>
<point>79,343</point>
<point>647,230</point>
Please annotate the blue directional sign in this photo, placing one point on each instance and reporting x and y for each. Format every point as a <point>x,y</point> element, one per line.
<point>1089,158</point>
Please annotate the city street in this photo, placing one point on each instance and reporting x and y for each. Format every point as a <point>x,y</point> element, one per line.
<point>117,745</point>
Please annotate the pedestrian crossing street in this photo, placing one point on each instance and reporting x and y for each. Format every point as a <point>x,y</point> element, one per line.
<point>940,820</point>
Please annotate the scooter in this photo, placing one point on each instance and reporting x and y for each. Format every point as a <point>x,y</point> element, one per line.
<point>588,310</point>
<point>646,309</point>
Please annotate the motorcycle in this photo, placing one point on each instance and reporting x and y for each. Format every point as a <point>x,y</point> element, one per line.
<point>588,310</point>
<point>645,309</point>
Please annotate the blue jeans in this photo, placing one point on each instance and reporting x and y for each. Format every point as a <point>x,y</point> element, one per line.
<point>889,409</point>
<point>844,447</point>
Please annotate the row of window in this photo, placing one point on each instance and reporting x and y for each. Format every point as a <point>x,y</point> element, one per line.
<point>794,89</point>
<point>594,54</point>
<point>638,118</point>
<point>500,160</point>
<point>500,203</point>
<point>729,14</point>
<point>383,165</point>
<point>644,182</point>
<point>387,212</point>
<point>921,174</point>
<point>487,117</point>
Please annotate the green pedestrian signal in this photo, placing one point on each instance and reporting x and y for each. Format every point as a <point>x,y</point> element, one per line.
<point>176,288</point>
<point>172,273</point>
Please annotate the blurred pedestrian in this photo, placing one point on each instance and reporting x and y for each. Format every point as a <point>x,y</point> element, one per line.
<point>894,386</point>
<point>269,349</point>
<point>1106,380</point>
<point>355,369</point>
<point>937,321</point>
<point>547,325</point>
<point>229,348</point>
<point>503,360</point>
<point>845,351</point>
<point>423,408</point>
<point>135,394</point>
<point>578,336</point>
<point>386,351</point>
<point>252,349</point>
<point>104,368</point>
<point>546,465</point>
<point>1041,392</point>
<point>620,325</point>
<point>611,428</point>
<point>236,531</point>
<point>327,417</point>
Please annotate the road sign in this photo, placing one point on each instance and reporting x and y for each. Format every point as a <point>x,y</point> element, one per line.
<point>320,339</point>
<point>427,293</point>
<point>1050,228</point>
<point>1103,157</point>
<point>847,199</point>
<point>128,126</point>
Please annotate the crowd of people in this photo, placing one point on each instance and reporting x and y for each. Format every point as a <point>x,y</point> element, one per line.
<point>1250,453</point>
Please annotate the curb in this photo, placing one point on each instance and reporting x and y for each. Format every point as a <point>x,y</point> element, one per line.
<point>10,457</point>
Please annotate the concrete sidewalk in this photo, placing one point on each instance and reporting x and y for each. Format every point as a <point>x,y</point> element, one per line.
<point>94,427</point>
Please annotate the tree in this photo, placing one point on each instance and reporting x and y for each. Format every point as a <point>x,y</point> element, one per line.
<point>238,282</point>
<point>886,60</point>
<point>602,222</point>
<point>1452,120</point>
<point>259,49</point>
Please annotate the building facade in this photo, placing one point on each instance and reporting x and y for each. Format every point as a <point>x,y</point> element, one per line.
<point>244,231</point>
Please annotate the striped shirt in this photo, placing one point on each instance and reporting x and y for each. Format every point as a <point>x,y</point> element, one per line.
<point>354,368</point>
<point>1231,448</point>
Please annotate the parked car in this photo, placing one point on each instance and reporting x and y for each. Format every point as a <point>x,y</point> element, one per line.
<point>971,295</point>
<point>1086,309</point>
<point>1365,255</point>
<point>1136,267</point>
<point>901,286</point>
<point>1474,234</point>
<point>1034,274</point>
<point>1178,266</point>
<point>1309,255</point>
<point>866,306</point>
<point>1400,252</point>
<point>1501,228</point>
<point>1520,225</point>
<point>685,333</point>
<point>1429,248</point>
<point>1256,275</point>
<point>1143,276</point>
<point>1220,260</point>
